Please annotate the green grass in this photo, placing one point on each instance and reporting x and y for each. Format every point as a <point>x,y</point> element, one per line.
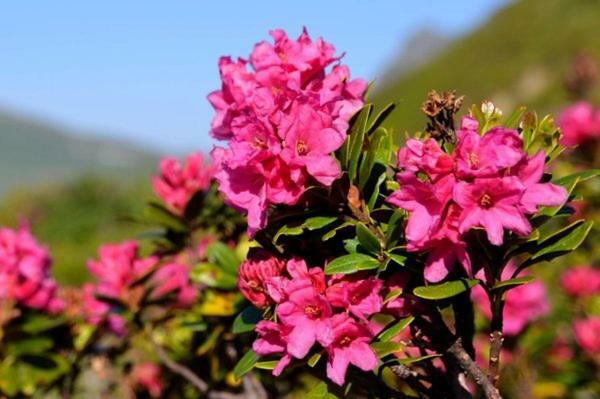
<point>74,218</point>
<point>519,57</point>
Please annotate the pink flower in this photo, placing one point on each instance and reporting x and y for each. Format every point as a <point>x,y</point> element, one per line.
<point>581,281</point>
<point>119,266</point>
<point>177,184</point>
<point>255,272</point>
<point>586,335</point>
<point>350,345</point>
<point>361,297</point>
<point>477,156</point>
<point>425,156</point>
<point>25,271</point>
<point>530,171</point>
<point>273,338</point>
<point>309,313</point>
<point>523,304</point>
<point>97,312</point>
<point>173,279</point>
<point>282,120</point>
<point>425,201</point>
<point>147,376</point>
<point>492,203</point>
<point>579,123</point>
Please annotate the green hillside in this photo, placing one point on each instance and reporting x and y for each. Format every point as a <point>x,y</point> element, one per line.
<point>36,152</point>
<point>520,56</point>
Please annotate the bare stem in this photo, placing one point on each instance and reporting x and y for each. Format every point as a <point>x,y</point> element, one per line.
<point>496,338</point>
<point>178,368</point>
<point>411,378</point>
<point>466,362</point>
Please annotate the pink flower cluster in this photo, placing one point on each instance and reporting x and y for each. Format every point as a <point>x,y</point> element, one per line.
<point>522,305</point>
<point>118,270</point>
<point>579,123</point>
<point>282,120</point>
<point>177,183</point>
<point>25,272</point>
<point>148,377</point>
<point>488,182</point>
<point>581,281</point>
<point>586,335</point>
<point>311,309</point>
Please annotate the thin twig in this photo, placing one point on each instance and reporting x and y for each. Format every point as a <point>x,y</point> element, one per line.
<point>411,378</point>
<point>178,368</point>
<point>466,362</point>
<point>496,338</point>
<point>253,389</point>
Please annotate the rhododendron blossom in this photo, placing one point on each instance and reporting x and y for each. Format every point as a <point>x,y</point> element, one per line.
<point>282,118</point>
<point>255,273</point>
<point>312,310</point>
<point>147,377</point>
<point>581,281</point>
<point>579,123</point>
<point>487,182</point>
<point>25,271</point>
<point>586,335</point>
<point>177,184</point>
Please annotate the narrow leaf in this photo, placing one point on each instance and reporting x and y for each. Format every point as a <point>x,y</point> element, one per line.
<point>445,290</point>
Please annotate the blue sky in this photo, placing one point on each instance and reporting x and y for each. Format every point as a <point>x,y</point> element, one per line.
<point>141,71</point>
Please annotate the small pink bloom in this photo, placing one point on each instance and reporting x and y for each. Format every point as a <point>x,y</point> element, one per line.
<point>581,281</point>
<point>147,376</point>
<point>579,123</point>
<point>254,274</point>
<point>587,335</point>
<point>177,184</point>
<point>425,201</point>
<point>361,297</point>
<point>273,338</point>
<point>119,266</point>
<point>530,171</point>
<point>425,156</point>
<point>25,271</point>
<point>173,279</point>
<point>477,156</point>
<point>309,313</point>
<point>492,203</point>
<point>350,345</point>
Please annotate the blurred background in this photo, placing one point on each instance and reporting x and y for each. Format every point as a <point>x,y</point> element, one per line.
<point>92,94</point>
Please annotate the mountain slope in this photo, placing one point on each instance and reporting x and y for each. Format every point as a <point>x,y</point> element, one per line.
<point>520,56</point>
<point>34,152</point>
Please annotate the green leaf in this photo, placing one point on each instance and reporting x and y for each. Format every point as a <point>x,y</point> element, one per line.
<point>213,276</point>
<point>395,329</point>
<point>268,365</point>
<point>514,282</point>
<point>379,151</point>
<point>310,224</point>
<point>580,176</point>
<point>357,138</point>
<point>394,228</point>
<point>351,263</point>
<point>568,241</point>
<point>383,349</point>
<point>223,256</point>
<point>367,239</point>
<point>332,233</point>
<point>246,320</point>
<point>314,359</point>
<point>37,323</point>
<point>512,122</point>
<point>245,364</point>
<point>381,116</point>
<point>399,259</point>
<point>445,290</point>
<point>157,213</point>
<point>320,391</point>
<point>393,294</point>
<point>410,360</point>
<point>29,346</point>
